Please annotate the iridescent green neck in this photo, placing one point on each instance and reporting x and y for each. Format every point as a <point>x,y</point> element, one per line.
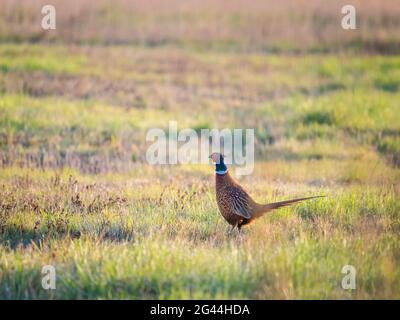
<point>221,168</point>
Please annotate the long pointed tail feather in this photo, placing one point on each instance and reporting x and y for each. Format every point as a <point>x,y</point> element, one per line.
<point>276,205</point>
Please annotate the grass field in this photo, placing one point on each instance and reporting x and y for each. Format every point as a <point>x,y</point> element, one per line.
<point>77,193</point>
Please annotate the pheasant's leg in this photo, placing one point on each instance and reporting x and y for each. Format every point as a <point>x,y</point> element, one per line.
<point>231,230</point>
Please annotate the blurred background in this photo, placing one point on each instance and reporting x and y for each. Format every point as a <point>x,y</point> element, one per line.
<point>239,26</point>
<point>84,94</point>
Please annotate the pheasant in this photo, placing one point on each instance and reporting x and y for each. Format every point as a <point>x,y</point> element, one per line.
<point>234,203</point>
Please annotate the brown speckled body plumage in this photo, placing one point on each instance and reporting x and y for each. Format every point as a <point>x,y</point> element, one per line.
<point>235,204</point>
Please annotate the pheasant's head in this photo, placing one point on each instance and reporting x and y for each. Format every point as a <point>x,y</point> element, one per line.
<point>218,159</point>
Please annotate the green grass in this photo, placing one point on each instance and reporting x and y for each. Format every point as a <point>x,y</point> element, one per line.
<point>31,58</point>
<point>76,191</point>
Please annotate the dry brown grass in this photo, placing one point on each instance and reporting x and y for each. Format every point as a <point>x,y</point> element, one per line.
<point>237,24</point>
